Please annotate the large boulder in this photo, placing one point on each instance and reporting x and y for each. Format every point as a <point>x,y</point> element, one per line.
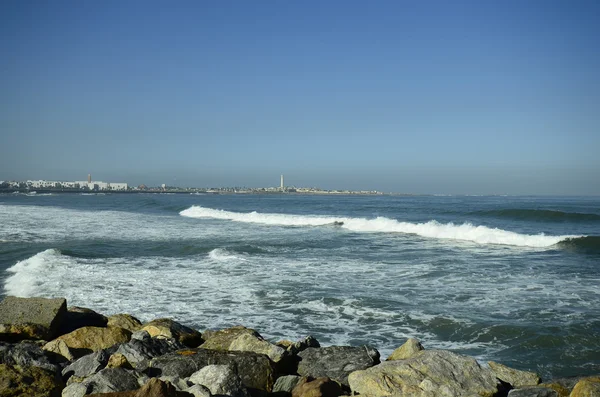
<point>298,346</point>
<point>90,339</point>
<point>587,387</point>
<point>514,377</point>
<point>59,347</point>
<point>220,380</point>
<point>31,318</point>
<point>167,328</point>
<point>255,370</point>
<point>336,362</point>
<point>429,373</point>
<point>27,354</point>
<point>79,317</point>
<point>285,384</point>
<point>28,381</point>
<point>320,387</point>
<point>106,381</point>
<point>142,348</point>
<point>154,388</point>
<point>410,348</point>
<point>124,321</point>
<point>86,365</point>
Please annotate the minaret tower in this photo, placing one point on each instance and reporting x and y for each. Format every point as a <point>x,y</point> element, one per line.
<point>281,186</point>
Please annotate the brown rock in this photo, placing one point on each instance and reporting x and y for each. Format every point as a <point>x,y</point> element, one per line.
<point>31,382</point>
<point>90,339</point>
<point>125,321</point>
<point>514,377</point>
<point>167,328</point>
<point>154,388</point>
<point>31,318</point>
<point>59,347</point>
<point>117,360</point>
<point>587,387</point>
<point>411,347</point>
<point>320,387</point>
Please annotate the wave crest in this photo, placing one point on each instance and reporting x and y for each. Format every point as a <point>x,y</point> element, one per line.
<point>431,229</point>
<point>24,279</point>
<point>540,215</point>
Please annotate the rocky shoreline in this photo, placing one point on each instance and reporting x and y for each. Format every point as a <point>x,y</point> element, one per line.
<point>48,350</point>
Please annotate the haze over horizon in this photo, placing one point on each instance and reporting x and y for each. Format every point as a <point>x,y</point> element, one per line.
<point>464,97</point>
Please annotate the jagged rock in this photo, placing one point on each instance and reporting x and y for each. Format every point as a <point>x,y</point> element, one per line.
<point>180,384</point>
<point>26,354</point>
<point>141,335</point>
<point>59,347</point>
<point>336,362</point>
<point>154,388</point>
<point>514,377</point>
<point>199,391</point>
<point>255,370</point>
<point>90,339</point>
<point>28,381</point>
<point>563,386</point>
<point>219,379</point>
<point>429,373</point>
<point>31,318</point>
<point>79,317</point>
<point>249,343</point>
<point>411,347</point>
<point>118,360</point>
<point>138,352</point>
<point>296,347</point>
<point>86,365</point>
<point>167,328</point>
<point>285,384</point>
<point>125,321</point>
<point>533,391</point>
<point>320,387</point>
<point>106,381</point>
<point>587,387</point>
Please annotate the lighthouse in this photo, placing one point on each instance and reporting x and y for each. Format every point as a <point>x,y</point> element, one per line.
<point>281,186</point>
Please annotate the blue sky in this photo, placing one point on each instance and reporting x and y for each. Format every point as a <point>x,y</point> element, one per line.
<point>477,97</point>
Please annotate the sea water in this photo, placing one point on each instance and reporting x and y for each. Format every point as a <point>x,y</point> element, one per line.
<point>510,279</point>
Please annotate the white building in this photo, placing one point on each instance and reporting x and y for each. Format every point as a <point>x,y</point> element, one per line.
<point>118,186</point>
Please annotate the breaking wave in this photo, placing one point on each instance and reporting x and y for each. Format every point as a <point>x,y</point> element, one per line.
<point>541,215</point>
<point>431,229</point>
<point>587,244</point>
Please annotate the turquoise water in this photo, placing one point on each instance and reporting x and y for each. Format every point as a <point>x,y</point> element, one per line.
<point>511,279</point>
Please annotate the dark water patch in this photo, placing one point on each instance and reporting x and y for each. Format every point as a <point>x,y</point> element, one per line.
<point>533,215</point>
<point>587,244</point>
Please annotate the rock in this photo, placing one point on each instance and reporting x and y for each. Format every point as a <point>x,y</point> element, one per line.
<point>563,386</point>
<point>167,328</point>
<point>31,318</point>
<point>139,352</point>
<point>180,384</point>
<point>79,317</point>
<point>199,391</point>
<point>587,387</point>
<point>28,381</point>
<point>533,391</point>
<point>59,347</point>
<point>249,343</point>
<point>26,354</point>
<point>255,370</point>
<point>411,347</point>
<point>320,387</point>
<point>106,381</point>
<point>154,388</point>
<point>118,360</point>
<point>125,321</point>
<point>90,339</point>
<point>219,379</point>
<point>429,373</point>
<point>141,335</point>
<point>86,365</point>
<point>296,347</point>
<point>336,362</point>
<point>285,384</point>
<point>514,377</point>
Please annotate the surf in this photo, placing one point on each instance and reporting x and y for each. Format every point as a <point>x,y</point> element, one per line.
<point>430,229</point>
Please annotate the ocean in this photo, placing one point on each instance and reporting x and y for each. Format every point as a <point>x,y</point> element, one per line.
<point>510,279</point>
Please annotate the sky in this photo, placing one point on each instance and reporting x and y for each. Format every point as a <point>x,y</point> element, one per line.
<point>455,97</point>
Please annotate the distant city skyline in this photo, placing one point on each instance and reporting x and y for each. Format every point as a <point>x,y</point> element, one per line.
<point>431,97</point>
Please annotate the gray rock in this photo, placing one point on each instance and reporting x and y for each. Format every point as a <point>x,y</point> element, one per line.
<point>87,365</point>
<point>27,354</point>
<point>180,384</point>
<point>220,380</point>
<point>141,335</point>
<point>199,391</point>
<point>31,318</point>
<point>140,351</point>
<point>79,317</point>
<point>514,377</point>
<point>255,370</point>
<point>286,383</point>
<point>533,392</point>
<point>106,381</point>
<point>336,362</point>
<point>429,373</point>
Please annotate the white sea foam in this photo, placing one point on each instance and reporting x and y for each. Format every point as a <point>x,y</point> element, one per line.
<point>222,255</point>
<point>431,229</point>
